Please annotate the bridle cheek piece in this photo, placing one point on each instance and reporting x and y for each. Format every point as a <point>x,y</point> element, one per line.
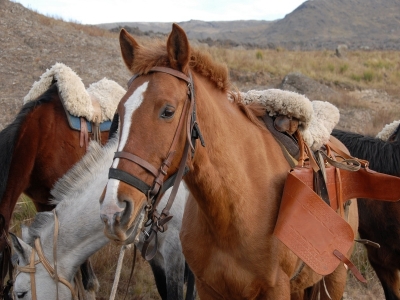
<point>154,220</point>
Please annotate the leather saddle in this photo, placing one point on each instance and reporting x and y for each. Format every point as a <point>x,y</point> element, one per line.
<point>312,219</point>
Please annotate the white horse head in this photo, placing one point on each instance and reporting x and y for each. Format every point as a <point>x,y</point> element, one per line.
<point>80,232</point>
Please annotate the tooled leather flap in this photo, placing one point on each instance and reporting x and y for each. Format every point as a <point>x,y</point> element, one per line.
<point>310,228</point>
<point>363,183</point>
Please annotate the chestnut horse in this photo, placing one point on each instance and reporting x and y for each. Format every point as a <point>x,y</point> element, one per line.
<point>36,149</point>
<point>379,220</point>
<point>236,179</point>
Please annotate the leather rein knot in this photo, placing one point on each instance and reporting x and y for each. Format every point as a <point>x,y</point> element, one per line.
<point>153,219</point>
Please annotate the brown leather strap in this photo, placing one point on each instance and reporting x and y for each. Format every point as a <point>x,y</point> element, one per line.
<point>172,72</point>
<point>338,148</point>
<point>97,115</point>
<point>350,265</point>
<point>302,155</point>
<point>136,159</point>
<point>368,242</point>
<point>178,179</point>
<point>349,164</point>
<point>84,134</point>
<point>164,217</point>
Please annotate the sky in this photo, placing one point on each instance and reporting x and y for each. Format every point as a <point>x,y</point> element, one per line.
<point>110,11</point>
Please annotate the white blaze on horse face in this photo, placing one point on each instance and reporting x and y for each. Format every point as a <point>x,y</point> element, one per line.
<point>131,105</point>
<point>133,102</point>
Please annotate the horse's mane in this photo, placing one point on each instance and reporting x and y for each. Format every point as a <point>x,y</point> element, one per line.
<point>383,156</point>
<point>155,54</point>
<point>76,180</point>
<point>69,187</point>
<point>9,135</point>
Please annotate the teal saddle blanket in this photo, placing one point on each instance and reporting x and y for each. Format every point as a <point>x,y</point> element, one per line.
<point>75,123</point>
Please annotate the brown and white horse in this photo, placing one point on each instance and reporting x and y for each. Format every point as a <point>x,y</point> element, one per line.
<point>236,180</point>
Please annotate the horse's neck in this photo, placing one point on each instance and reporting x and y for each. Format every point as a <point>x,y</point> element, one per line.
<point>80,229</point>
<point>240,162</point>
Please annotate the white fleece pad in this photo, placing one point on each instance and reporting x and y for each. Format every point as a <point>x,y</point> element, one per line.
<point>388,130</point>
<point>316,119</point>
<point>76,99</point>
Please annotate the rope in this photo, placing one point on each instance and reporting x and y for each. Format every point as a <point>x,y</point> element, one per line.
<point>118,272</point>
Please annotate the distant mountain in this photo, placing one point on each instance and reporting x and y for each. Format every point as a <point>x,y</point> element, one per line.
<point>315,24</point>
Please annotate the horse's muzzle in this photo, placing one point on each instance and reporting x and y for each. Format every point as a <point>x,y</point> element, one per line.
<point>118,225</point>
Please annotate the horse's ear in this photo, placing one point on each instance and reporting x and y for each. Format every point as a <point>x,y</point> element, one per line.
<point>128,46</point>
<point>178,49</point>
<point>22,249</point>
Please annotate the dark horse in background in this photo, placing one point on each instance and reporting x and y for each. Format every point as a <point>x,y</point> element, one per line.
<point>379,220</point>
<point>36,149</point>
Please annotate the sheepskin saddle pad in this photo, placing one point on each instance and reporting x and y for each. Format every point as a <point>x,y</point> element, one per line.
<point>97,104</point>
<point>316,119</point>
<point>389,131</point>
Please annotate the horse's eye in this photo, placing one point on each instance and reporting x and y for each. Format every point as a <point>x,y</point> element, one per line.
<point>168,112</point>
<point>21,295</point>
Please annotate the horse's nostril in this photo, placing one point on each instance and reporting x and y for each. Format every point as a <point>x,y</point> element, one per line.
<point>117,217</point>
<point>104,218</point>
<point>109,219</point>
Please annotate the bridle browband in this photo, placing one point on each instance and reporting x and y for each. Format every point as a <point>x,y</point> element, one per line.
<point>156,221</point>
<point>31,268</point>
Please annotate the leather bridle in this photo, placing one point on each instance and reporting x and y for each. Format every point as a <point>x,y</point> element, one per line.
<point>157,221</point>
<point>31,267</point>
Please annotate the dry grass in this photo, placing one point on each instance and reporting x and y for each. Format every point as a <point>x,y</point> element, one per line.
<point>356,290</point>
<point>142,285</point>
<point>360,69</point>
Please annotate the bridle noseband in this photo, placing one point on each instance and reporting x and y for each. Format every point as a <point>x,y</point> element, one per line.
<point>31,267</point>
<point>156,221</point>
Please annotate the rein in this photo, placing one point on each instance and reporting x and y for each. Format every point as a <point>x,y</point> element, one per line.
<point>156,221</point>
<point>31,267</point>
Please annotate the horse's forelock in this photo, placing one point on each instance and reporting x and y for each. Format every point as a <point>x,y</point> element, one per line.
<point>148,56</point>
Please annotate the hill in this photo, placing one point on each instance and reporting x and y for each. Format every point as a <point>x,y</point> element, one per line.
<point>31,43</point>
<point>316,24</point>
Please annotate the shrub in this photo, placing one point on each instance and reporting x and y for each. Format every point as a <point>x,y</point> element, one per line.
<point>343,68</point>
<point>368,76</point>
